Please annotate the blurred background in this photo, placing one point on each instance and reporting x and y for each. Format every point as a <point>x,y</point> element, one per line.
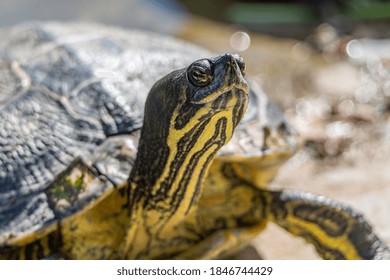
<point>326,63</point>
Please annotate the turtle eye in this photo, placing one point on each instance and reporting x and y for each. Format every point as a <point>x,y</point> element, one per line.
<point>200,73</point>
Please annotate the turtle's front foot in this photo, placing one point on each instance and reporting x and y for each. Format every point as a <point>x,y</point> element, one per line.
<point>336,230</point>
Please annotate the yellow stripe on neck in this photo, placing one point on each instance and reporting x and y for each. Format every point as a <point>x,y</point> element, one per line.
<point>203,163</point>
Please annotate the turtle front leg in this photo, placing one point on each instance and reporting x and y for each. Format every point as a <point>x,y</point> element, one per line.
<point>336,230</point>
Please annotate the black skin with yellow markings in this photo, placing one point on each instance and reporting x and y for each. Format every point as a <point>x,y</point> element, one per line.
<point>348,235</point>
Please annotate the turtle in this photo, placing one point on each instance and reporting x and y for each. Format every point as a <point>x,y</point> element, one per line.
<point>119,144</point>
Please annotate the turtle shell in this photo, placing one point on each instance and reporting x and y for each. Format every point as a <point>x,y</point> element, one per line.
<point>67,90</point>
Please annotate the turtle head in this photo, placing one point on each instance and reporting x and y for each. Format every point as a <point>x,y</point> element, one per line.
<point>188,102</point>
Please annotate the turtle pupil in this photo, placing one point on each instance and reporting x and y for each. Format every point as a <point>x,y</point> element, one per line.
<point>200,73</point>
